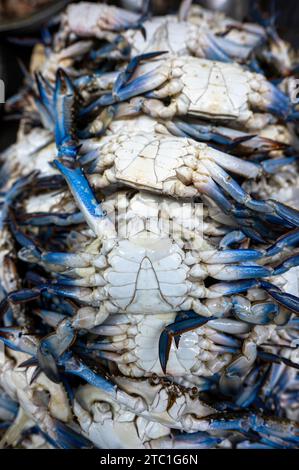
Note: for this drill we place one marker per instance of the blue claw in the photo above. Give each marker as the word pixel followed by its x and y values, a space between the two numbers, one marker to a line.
pixel 286 265
pixel 53 346
pixel 258 314
pixel 13 193
pixel 289 301
pixel 279 103
pixel 64 108
pixel 83 194
pixel 63 259
pixel 27 295
pixel 75 366
pixel 289 240
pixel 236 287
pixel 19 340
pixel 270 210
pixel 46 92
pixel 190 321
pixel 243 423
pixel 23 295
pixel 208 133
pixel 273 165
pixel 285 212
pixel 269 357
pixel 229 185
pixel 119 44
pixel 215 48
pixel 125 76
pixel 50 317
pixel 122 90
pixel 251 387
pixel 286 300
pixel 25 241
pixel 236 236
pixel 212 190
pixel 105 118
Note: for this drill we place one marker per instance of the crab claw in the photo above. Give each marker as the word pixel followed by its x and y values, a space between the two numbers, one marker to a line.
pixel 53 346
pixel 124 77
pixel 285 212
pixel 86 200
pixel 288 240
pixel 45 103
pixel 286 300
pixel 233 141
pixel 122 90
pixel 251 386
pixel 18 339
pixel 64 109
pixel 13 193
pixel 274 358
pixel 76 366
pixel 47 363
pixel 24 240
pixel 119 45
pixel 20 296
pixel 187 321
pixel 259 314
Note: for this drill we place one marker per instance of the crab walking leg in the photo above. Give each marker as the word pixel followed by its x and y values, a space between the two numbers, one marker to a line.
pixel 289 301
pixel 198 440
pixel 233 139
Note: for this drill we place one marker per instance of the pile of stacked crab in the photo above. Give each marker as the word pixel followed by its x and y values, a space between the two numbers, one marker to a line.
pixel 149 232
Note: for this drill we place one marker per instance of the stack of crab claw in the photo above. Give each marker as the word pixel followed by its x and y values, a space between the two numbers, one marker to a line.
pixel 149 230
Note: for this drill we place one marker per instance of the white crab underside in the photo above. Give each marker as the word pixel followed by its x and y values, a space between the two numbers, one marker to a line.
pixel 147 276
pixel 215 89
